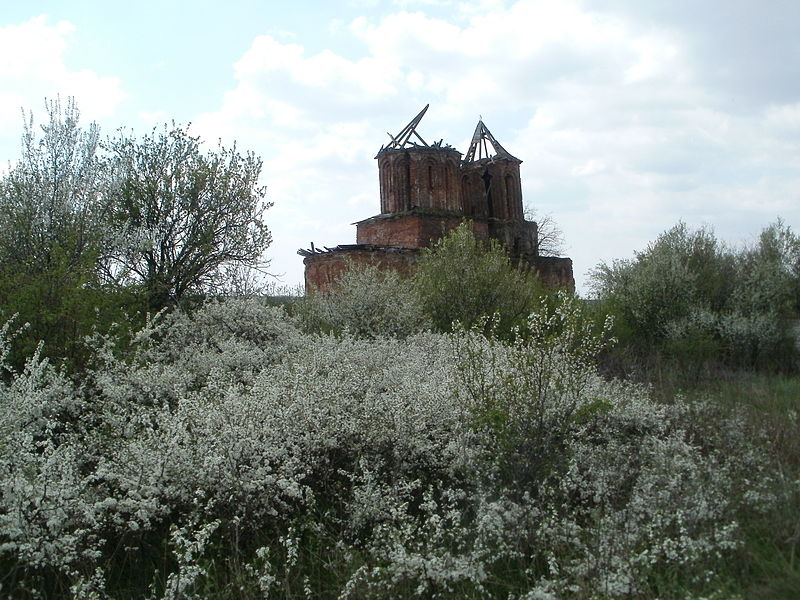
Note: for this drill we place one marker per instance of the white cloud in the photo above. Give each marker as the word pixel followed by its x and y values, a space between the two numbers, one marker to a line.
pixel 273 67
pixel 153 118
pixel 33 46
pixel 621 130
pixel 784 118
pixel 34 69
pixel 591 167
pixel 653 59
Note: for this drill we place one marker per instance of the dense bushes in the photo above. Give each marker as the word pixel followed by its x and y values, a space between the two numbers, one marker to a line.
pixel 366 302
pixel 92 232
pixel 461 280
pixel 689 298
pixel 458 281
pixel 228 454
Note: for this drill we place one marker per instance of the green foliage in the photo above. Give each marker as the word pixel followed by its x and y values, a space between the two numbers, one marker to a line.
pixel 770 273
pixel 690 299
pixel 226 454
pixel 461 280
pixel 53 233
pixel 91 241
pixel 536 389
pixel 766 407
pixel 182 217
pixel 367 302
pixel 51 212
pixel 680 271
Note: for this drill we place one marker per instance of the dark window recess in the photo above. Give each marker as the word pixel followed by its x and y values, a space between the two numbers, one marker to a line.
pixel 487 187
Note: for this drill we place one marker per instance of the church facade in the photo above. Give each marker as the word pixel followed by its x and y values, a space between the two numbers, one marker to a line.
pixel 428 190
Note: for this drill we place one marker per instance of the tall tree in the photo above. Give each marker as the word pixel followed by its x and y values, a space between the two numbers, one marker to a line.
pixel 52 231
pixel 50 210
pixel 183 217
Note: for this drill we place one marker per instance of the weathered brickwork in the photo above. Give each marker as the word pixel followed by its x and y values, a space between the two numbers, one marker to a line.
pixel 425 192
pixel 323 270
pixel 415 229
pixel 555 272
pixel 491 188
pixel 426 178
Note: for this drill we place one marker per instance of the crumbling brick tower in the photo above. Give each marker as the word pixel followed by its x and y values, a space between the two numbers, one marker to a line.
pixel 491 189
pixel 427 190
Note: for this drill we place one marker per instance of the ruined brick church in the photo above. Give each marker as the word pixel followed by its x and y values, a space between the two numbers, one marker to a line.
pixel 428 190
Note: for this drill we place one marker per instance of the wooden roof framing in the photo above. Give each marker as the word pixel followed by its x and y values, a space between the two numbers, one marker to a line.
pixel 403 139
pixel 479 147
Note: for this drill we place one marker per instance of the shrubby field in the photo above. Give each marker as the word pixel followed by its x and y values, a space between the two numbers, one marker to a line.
pixel 165 432
pixel 228 452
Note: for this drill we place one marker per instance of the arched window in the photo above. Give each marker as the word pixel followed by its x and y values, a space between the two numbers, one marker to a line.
pixel 385 182
pixel 466 197
pixel 510 198
pixel 487 193
pixel 405 188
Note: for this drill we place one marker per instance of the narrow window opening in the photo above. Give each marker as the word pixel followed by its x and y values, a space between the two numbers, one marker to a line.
pixel 406 191
pixel 487 190
pixel 510 197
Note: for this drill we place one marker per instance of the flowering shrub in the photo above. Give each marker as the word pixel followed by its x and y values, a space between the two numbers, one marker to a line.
pixel 691 298
pixel 227 454
pixel 366 302
pixel 460 279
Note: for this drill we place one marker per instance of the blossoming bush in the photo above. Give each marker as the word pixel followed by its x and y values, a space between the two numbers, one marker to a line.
pixel 461 279
pixel 691 299
pixel 228 454
pixel 366 302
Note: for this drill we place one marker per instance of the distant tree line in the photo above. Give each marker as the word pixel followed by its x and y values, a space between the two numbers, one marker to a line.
pixel 687 303
pixel 690 300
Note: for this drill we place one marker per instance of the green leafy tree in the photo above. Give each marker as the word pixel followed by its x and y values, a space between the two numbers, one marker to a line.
pixel 183 218
pixel 694 300
pixel 52 231
pixel 681 271
pixel 51 206
pixel 461 280
pixel 770 273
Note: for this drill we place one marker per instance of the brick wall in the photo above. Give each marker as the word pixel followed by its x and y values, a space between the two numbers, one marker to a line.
pixel 424 177
pixel 324 270
pixel 412 230
pixel 554 272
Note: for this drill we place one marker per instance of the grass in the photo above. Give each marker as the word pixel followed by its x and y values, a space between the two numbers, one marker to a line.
pixel 770 406
pixel 772 403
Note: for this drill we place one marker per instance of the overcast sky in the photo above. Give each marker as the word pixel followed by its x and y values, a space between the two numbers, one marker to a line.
pixel 629 115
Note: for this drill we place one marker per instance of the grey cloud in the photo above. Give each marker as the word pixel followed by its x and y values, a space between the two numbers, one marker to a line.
pixel 749 52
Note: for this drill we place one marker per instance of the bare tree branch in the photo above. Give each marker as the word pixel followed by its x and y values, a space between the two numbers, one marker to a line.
pixel 550 238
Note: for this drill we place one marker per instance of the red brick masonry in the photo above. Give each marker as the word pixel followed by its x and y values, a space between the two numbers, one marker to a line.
pixel 323 269
pixel 427 191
